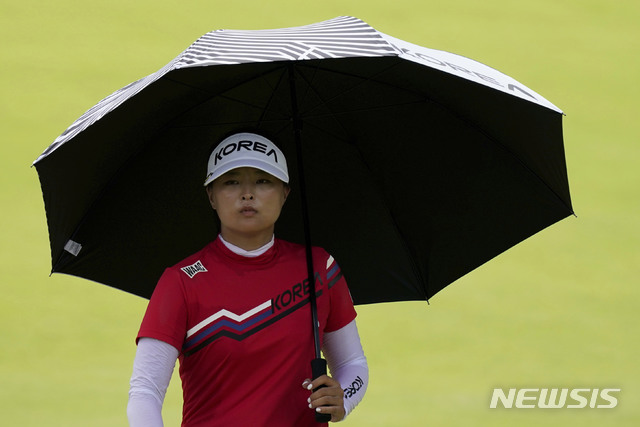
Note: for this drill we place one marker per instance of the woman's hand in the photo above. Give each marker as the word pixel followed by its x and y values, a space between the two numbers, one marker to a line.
pixel 328 399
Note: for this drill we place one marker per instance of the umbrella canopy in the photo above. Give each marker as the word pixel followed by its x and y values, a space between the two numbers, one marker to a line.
pixel 419 165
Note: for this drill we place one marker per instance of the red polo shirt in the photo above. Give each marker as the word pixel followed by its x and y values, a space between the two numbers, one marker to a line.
pixel 243 329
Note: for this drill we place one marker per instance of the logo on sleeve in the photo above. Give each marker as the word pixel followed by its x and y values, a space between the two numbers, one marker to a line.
pixel 193 269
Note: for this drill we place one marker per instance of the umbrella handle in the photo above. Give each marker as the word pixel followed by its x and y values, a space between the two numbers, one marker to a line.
pixel 319 368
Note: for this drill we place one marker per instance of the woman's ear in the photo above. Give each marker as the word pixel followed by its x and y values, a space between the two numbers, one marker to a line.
pixel 210 196
pixel 286 190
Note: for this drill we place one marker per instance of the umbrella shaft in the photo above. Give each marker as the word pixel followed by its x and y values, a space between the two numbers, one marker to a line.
pixel 297 135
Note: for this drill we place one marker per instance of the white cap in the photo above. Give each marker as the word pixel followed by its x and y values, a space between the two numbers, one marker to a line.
pixel 247 150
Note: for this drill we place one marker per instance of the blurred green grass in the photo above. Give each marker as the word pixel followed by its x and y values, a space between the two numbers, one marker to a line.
pixel 559 310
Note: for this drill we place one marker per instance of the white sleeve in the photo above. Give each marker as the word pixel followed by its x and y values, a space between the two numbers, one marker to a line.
pixel 152 370
pixel 348 365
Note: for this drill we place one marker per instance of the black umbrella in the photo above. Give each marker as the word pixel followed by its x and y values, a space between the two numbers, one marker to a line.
pixel 419 165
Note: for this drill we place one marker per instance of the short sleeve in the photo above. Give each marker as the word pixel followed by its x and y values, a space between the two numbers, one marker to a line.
pixel 342 311
pixel 166 315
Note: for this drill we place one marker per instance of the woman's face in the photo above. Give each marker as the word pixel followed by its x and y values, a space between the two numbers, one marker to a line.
pixel 248 202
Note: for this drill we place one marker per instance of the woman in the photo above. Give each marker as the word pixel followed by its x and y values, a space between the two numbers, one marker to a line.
pixel 236 313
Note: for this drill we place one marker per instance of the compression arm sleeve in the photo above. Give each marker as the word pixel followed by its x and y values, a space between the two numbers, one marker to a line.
pixel 152 370
pixel 347 363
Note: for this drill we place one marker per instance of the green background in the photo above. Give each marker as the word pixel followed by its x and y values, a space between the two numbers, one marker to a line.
pixel 559 310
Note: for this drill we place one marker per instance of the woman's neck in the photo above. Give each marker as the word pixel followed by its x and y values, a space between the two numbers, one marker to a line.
pixel 247 241
pixel 251 253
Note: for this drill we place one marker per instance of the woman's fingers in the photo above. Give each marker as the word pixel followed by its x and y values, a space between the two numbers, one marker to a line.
pixel 328 397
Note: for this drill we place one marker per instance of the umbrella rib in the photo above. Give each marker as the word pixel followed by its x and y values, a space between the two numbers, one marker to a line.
pixel 310 86
pixel 423 98
pixel 401 237
pixel 273 93
pixel 365 109
pixel 109 183
pixel 222 95
pixel 363 80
